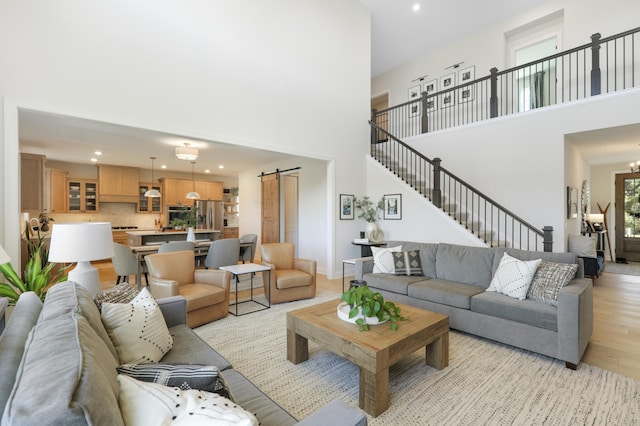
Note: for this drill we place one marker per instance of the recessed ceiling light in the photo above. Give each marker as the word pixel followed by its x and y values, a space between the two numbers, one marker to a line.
pixel 207 171
pixel 416 7
pixel 98 153
pixel 221 166
pixel 95 160
pixel 164 166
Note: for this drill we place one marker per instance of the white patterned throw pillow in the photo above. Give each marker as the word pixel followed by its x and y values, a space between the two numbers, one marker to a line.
pixel 145 403
pixel 137 329
pixel 513 276
pixel 383 262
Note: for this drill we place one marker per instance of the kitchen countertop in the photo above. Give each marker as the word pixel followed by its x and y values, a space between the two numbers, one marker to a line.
pixel 142 233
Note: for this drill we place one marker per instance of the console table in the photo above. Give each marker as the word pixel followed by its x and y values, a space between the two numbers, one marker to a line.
pixel 365 248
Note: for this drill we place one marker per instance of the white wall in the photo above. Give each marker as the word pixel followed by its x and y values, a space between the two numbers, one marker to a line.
pixel 288 75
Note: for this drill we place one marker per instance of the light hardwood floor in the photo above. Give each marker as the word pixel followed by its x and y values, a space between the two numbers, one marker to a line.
pixel 615 343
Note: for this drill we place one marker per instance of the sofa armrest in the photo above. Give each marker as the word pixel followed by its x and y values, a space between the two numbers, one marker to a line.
pixel 364 265
pixel 174 310
pixel 335 413
pixel 575 319
pixel 161 288
pixel 4 302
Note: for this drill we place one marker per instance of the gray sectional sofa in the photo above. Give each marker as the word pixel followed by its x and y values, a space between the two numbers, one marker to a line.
pixel 454 283
pixel 58 366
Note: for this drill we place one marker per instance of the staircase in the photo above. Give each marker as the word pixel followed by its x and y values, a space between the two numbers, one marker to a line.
pixel 490 222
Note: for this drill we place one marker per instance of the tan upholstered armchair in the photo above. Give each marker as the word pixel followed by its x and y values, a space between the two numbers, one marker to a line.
pixel 291 279
pixel 206 290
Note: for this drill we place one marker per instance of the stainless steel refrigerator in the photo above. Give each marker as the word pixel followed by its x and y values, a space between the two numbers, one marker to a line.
pixel 210 214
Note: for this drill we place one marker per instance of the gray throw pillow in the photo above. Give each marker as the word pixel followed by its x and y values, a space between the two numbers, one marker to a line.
pixel 407 262
pixel 582 245
pixel 549 279
pixel 185 377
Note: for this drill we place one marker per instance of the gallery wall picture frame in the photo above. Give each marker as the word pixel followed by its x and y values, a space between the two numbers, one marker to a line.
pixel 466 75
pixel 392 207
pixel 414 92
pixel 430 86
pixel 572 202
pixel 448 82
pixel 346 207
pixel 415 109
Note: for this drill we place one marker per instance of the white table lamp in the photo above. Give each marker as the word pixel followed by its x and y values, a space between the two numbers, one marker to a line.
pixel 82 242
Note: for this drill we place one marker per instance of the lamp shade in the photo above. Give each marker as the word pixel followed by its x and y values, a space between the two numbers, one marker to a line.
pixel 4 257
pixel 81 242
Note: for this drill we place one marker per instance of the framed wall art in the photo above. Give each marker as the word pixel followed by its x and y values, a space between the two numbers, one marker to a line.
pixel 448 81
pixel 430 86
pixel 346 207
pixel 414 92
pixel 572 202
pixel 392 207
pixel 466 75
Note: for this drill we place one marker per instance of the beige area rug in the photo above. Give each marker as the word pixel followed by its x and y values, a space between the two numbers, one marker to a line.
pixel 631 268
pixel 486 383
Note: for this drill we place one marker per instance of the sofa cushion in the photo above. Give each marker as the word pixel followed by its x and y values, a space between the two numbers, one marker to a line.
pixel 189 348
pixel 463 264
pixel 184 376
pixel 23 318
pixel 137 329
pixel 513 276
pixel 444 292
pixel 70 297
pixel 67 376
pixel 389 282
pixel 407 262
pixel 523 311
pixel 549 279
pixel 145 403
pixel 427 254
pixel 383 259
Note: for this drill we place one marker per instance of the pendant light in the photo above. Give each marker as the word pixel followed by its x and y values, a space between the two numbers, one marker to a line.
pixel 193 195
pixel 152 193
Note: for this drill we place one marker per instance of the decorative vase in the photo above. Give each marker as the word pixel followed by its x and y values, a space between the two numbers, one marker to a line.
pixel 374 233
pixel 191 236
pixel 343 314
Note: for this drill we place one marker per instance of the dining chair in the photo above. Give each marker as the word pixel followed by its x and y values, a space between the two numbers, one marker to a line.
pixel 176 246
pixel 206 291
pixel 125 263
pixel 223 252
pixel 248 253
pixel 291 278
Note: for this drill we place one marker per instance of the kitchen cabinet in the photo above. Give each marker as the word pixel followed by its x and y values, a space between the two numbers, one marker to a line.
pixel 82 195
pixel 175 191
pixel 120 237
pixel 58 192
pixel 118 184
pixel 149 204
pixel 32 183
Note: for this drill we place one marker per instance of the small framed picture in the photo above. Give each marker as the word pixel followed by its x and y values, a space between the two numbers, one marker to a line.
pixel 414 92
pixel 467 75
pixel 431 105
pixel 346 207
pixel 448 99
pixel 430 86
pixel 414 109
pixel 392 207
pixel 448 82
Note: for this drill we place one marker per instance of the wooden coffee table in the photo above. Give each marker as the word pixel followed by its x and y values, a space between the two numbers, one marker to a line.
pixel 374 351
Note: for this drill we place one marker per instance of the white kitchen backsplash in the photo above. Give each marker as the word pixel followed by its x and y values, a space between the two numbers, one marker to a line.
pixel 119 214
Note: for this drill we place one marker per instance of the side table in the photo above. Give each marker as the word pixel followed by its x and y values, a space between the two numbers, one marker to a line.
pixel 248 268
pixel 365 248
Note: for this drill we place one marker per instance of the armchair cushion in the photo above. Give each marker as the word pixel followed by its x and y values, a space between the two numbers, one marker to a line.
pixel 290 278
pixel 201 295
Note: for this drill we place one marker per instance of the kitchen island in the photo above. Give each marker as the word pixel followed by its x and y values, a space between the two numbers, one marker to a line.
pixel 153 237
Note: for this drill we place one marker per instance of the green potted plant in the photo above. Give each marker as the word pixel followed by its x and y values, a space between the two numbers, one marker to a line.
pixel 370 212
pixel 39 273
pixel 368 304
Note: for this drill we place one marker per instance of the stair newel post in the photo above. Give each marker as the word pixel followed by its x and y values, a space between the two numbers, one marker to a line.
pixel 374 130
pixel 493 100
pixel 548 238
pixel 437 192
pixel 425 118
pixel 595 64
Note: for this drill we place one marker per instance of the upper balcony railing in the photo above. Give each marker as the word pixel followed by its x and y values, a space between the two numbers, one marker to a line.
pixel 602 66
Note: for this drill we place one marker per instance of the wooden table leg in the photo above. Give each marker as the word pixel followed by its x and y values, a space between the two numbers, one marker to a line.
pixel 438 352
pixel 297 347
pixel 374 391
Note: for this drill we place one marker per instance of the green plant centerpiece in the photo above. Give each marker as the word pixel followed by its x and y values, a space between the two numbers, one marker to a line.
pixel 369 211
pixel 371 304
pixel 187 219
pixel 39 273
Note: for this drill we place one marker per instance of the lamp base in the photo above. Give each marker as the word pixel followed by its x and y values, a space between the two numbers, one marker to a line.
pixel 87 276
